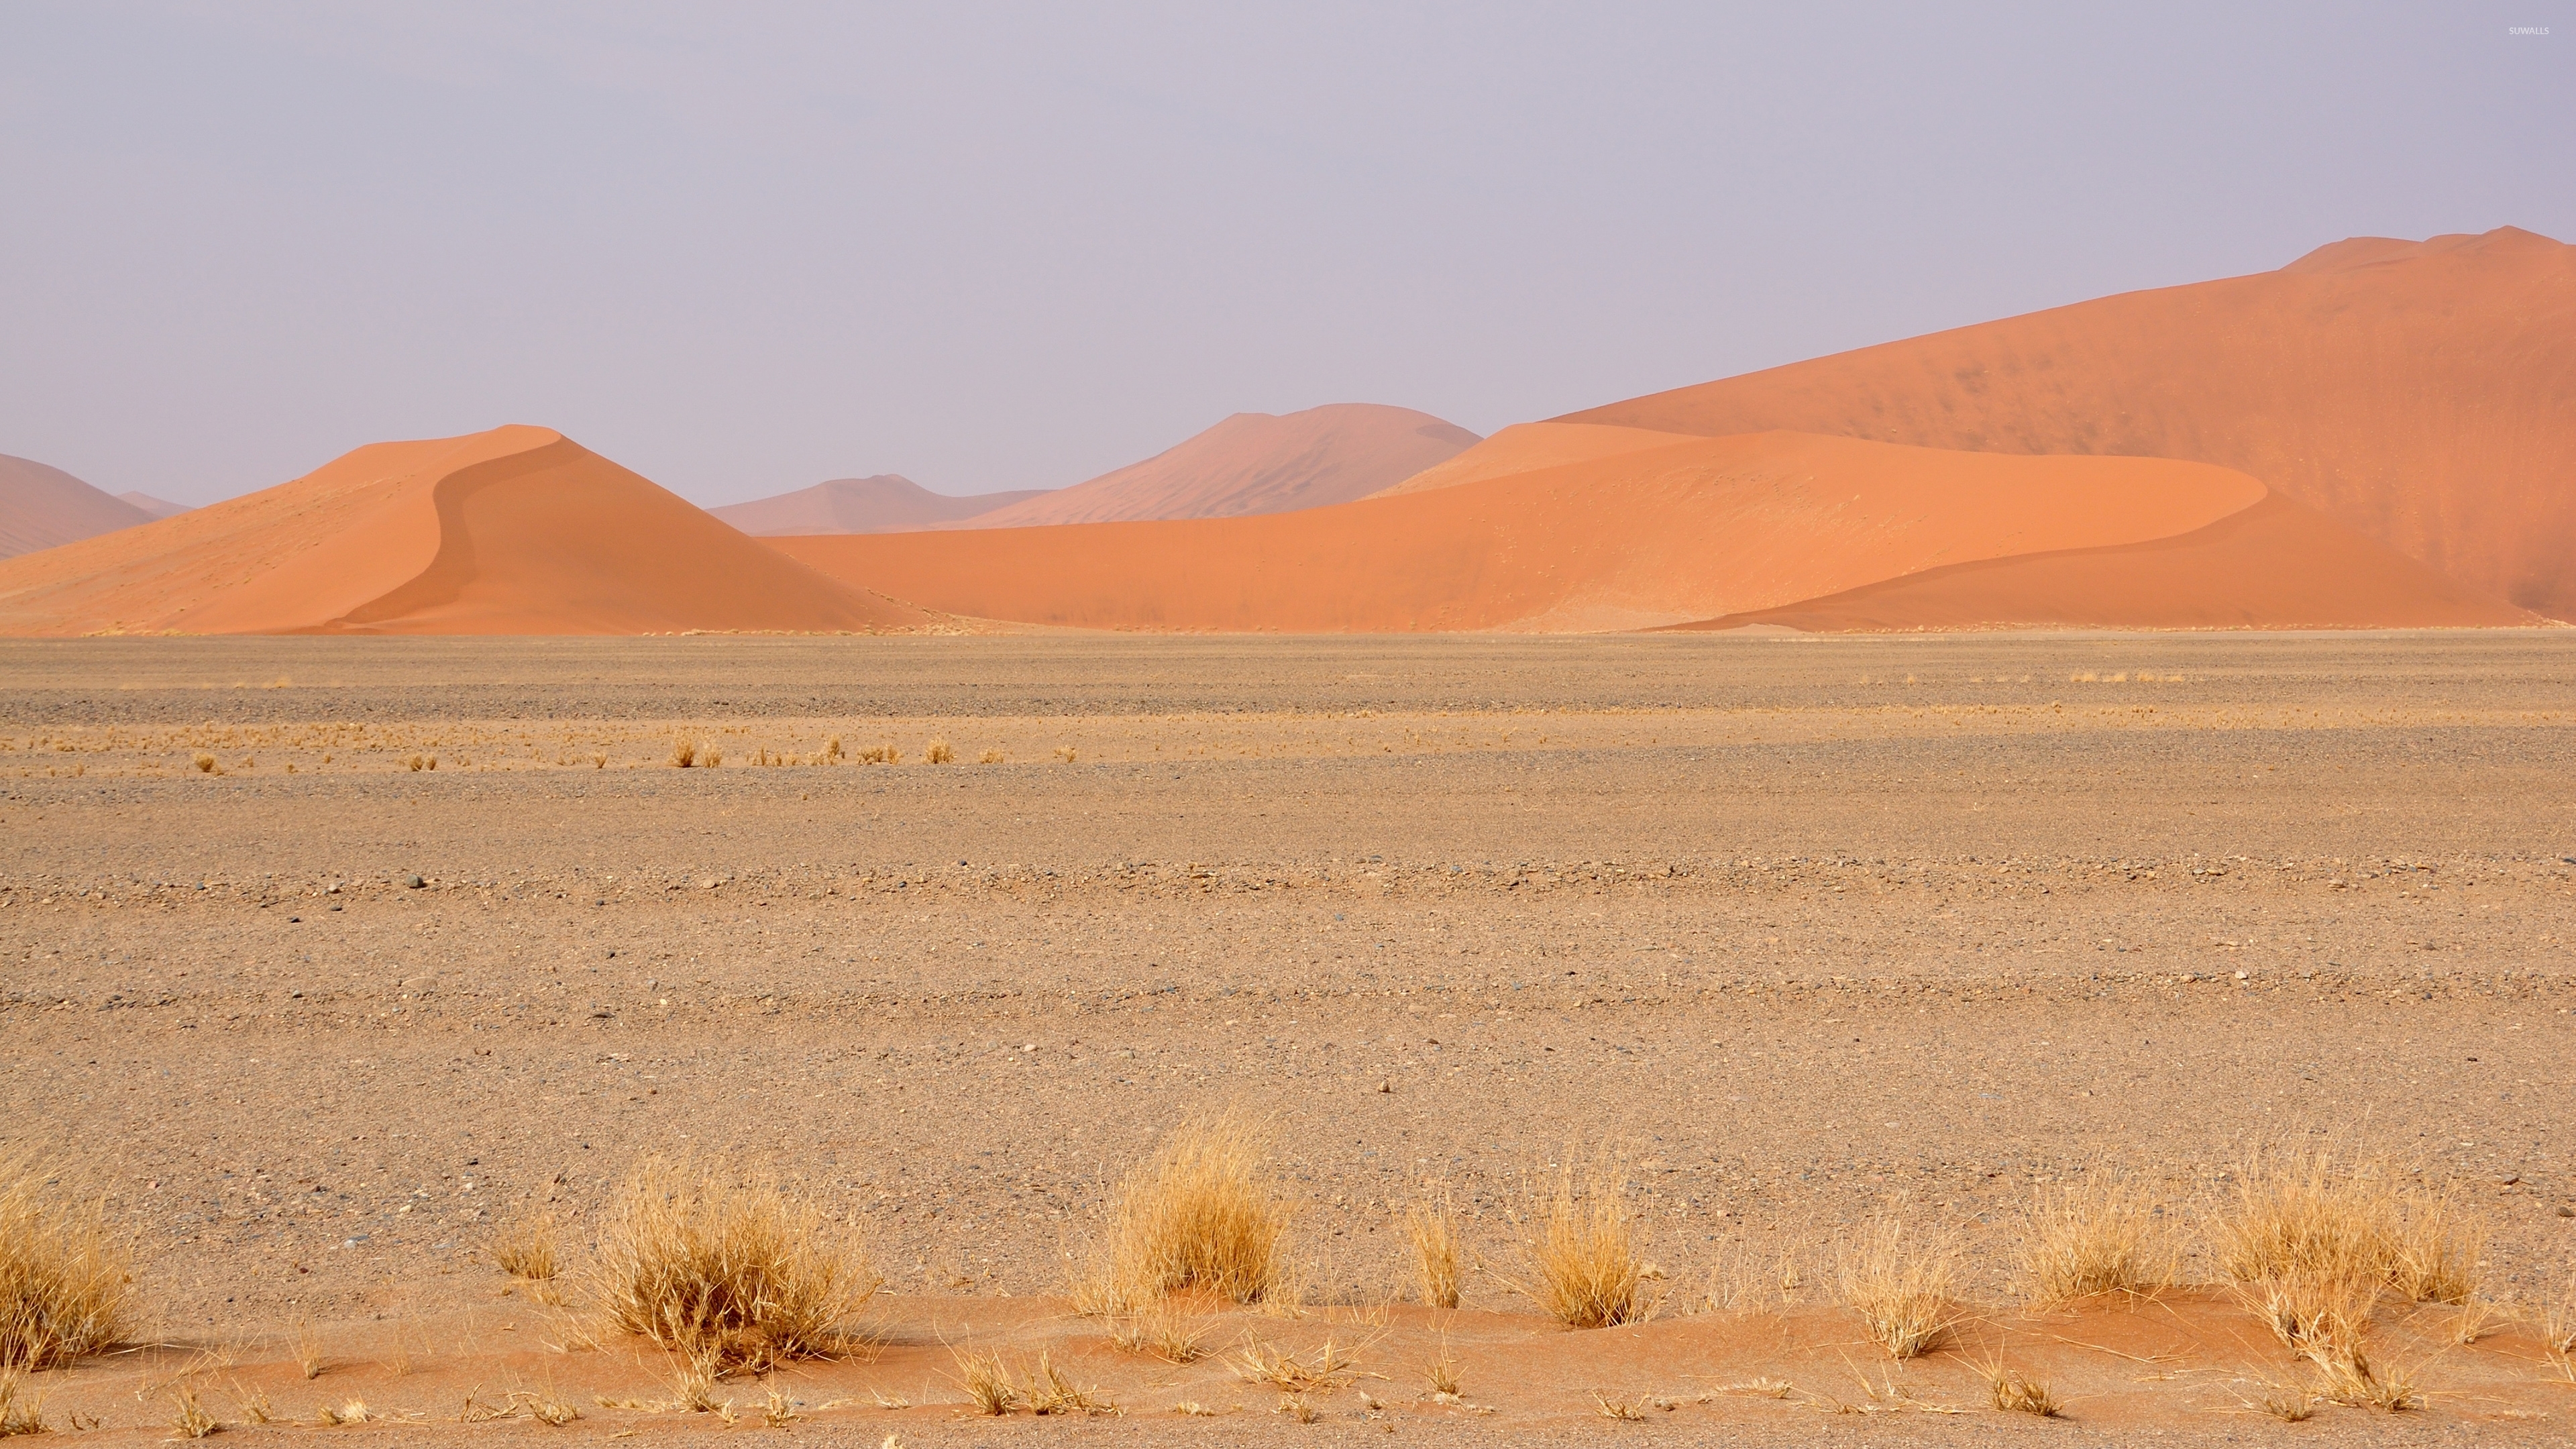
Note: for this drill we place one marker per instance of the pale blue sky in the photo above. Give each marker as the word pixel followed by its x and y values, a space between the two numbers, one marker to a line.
pixel 743 248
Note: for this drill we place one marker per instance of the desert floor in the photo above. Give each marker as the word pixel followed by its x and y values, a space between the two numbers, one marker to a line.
pixel 1818 929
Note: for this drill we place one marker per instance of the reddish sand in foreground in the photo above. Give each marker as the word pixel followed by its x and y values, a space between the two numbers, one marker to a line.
pixel 2276 565
pixel 1255 463
pixel 44 507
pixel 2416 391
pixel 514 531
pixel 1691 530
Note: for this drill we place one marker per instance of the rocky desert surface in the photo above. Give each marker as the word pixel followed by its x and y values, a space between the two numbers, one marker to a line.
pixel 1816 930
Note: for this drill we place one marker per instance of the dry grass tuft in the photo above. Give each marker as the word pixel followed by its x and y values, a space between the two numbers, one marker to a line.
pixel 2433 1253
pixel 2095 1238
pixel 1198 1214
pixel 1327 1368
pixel 1431 1225
pixel 1064 753
pixel 526 1248
pixel 940 752
pixel 65 1286
pixel 355 1411
pixel 1900 1289
pixel 991 757
pixel 684 754
pixel 2289 1403
pixel 1582 1266
pixel 1442 1374
pixel 205 763
pixel 987 1382
pixel 832 749
pixel 2015 1393
pixel 1051 1392
pixel 1621 1409
pixel 307 1344
pixel 21 1412
pixel 1162 1329
pixel 740 1272
pixel 188 1416
pixel 885 754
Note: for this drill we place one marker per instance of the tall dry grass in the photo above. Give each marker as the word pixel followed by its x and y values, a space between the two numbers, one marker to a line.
pixel 1900 1286
pixel 525 1248
pixel 737 1271
pixel 66 1284
pixel 1580 1260
pixel 2094 1238
pixel 1431 1228
pixel 1201 1214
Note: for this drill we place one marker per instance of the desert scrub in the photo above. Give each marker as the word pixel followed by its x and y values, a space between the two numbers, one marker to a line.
pixel 2101 1236
pixel 66 1284
pixel 740 1272
pixel 1198 1214
pixel 1579 1261
pixel 1900 1287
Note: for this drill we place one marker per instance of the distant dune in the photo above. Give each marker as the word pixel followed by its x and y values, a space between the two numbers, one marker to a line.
pixel 513 531
pixel 881 504
pixel 2423 393
pixel 43 506
pixel 1255 463
pixel 1693 530
pixel 157 507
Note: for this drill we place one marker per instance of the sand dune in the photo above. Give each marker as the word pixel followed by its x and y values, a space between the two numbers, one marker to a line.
pixel 157 507
pixel 882 504
pixel 2276 565
pixel 1695 529
pixel 2415 391
pixel 1255 463
pixel 513 531
pixel 1528 447
pixel 41 507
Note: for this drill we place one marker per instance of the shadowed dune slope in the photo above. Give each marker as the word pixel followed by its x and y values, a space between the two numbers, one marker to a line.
pixel 1528 447
pixel 514 531
pixel 2276 565
pixel 1690 530
pixel 1255 463
pixel 2423 393
pixel 42 507
pixel 156 507
pixel 880 504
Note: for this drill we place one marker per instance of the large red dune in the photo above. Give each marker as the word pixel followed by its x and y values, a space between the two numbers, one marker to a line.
pixel 514 531
pixel 1528 447
pixel 882 504
pixel 42 507
pixel 2423 393
pixel 1255 463
pixel 1695 529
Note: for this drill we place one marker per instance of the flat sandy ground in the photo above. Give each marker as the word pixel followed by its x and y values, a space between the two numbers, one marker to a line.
pixel 1816 929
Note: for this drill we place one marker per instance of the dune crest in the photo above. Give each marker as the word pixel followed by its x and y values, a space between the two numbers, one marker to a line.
pixel 517 530
pixel 2414 391
pixel 1255 463
pixel 1666 535
pixel 879 504
pixel 1528 447
pixel 44 507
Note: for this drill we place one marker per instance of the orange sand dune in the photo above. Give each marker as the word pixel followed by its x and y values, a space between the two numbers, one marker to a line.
pixel 1255 463
pixel 41 507
pixel 514 531
pixel 1692 530
pixel 2423 393
pixel 2276 565
pixel 880 504
pixel 155 507
pixel 1528 447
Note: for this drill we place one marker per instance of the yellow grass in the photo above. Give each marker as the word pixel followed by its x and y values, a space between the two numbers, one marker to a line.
pixel 2095 1238
pixel 1199 1214
pixel 991 757
pixel 1431 1226
pixel 307 1343
pixel 526 1248
pixel 1579 1261
pixel 1899 1287
pixel 739 1270
pixel 832 749
pixel 1442 1373
pixel 684 754
pixel 1065 753
pixel 1050 1391
pixel 2015 1393
pixel 2433 1254
pixel 65 1284
pixel 21 1412
pixel 940 752
pixel 987 1382
pixel 188 1416
pixel 1162 1329
pixel 1327 1368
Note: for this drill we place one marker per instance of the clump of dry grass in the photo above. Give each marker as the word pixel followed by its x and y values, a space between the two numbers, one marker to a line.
pixel 1582 1265
pixel 307 1344
pixel 940 752
pixel 1442 1373
pixel 885 754
pixel 21 1412
pixel 525 1248
pixel 1050 1391
pixel 1327 1368
pixel 2289 1403
pixel 2095 1238
pixel 1064 753
pixel 832 749
pixel 1900 1287
pixel 188 1416
pixel 1162 1329
pixel 742 1272
pixel 987 1382
pixel 684 754
pixel 1621 1409
pixel 1198 1214
pixel 1431 1226
pixel 2433 1252
pixel 204 762
pixel 991 757
pixel 65 1285
pixel 2016 1393
pixel 355 1411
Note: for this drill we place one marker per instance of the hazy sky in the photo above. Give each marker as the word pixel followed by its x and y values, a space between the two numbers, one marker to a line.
pixel 742 248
